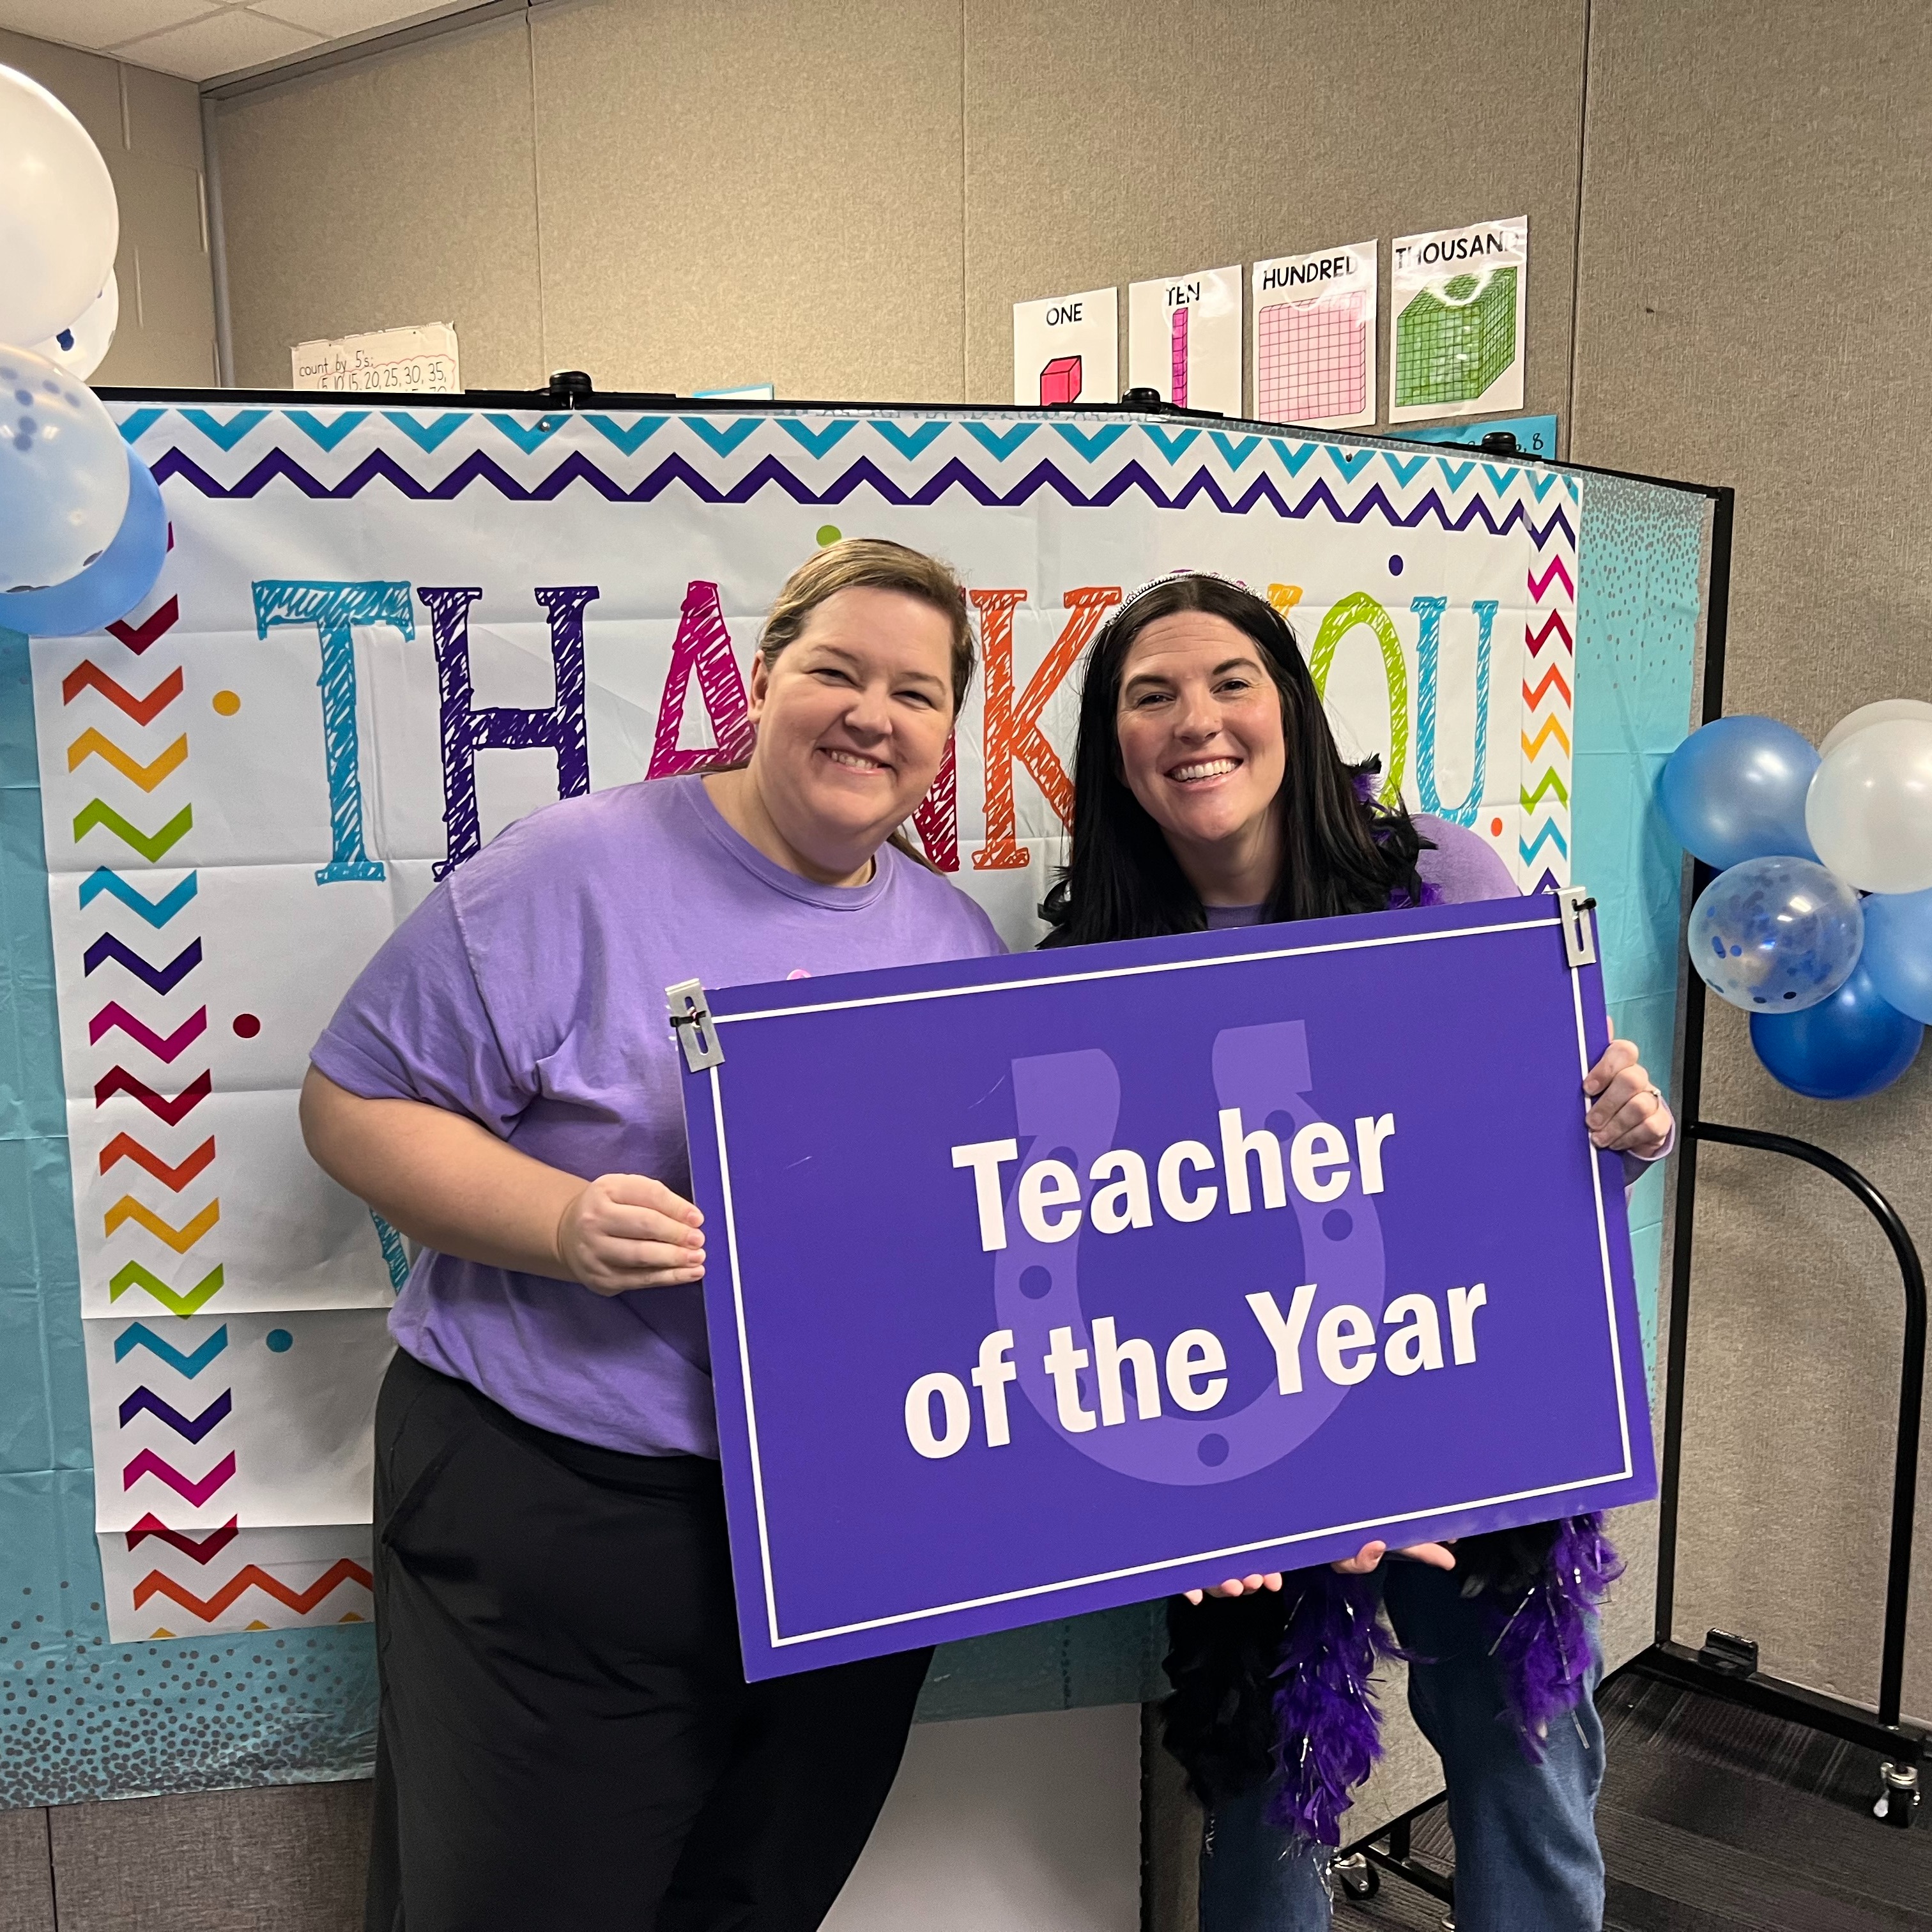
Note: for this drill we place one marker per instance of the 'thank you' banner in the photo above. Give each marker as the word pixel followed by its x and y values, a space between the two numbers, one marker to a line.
pixel 382 634
pixel 1178 1258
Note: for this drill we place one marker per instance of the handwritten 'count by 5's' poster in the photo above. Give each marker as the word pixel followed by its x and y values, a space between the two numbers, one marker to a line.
pixel 1458 299
pixel 382 635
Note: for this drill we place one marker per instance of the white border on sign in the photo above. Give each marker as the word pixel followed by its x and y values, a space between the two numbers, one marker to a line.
pixel 779 1643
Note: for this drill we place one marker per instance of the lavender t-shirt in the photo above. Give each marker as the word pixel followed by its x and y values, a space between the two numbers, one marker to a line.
pixel 1462 868
pixel 527 992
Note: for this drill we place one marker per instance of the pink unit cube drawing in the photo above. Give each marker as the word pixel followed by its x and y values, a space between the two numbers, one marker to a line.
pixel 1312 360
pixel 1059 382
pixel 1177 395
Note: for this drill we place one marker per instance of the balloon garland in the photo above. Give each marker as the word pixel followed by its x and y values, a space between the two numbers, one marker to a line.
pixel 82 533
pixel 1819 924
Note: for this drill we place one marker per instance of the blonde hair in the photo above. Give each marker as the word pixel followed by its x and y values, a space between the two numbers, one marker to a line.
pixel 871 563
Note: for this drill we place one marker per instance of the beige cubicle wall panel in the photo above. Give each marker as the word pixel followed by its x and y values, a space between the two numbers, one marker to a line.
pixel 1112 140
pixel 147 127
pixel 401 189
pixel 753 193
pixel 1798 374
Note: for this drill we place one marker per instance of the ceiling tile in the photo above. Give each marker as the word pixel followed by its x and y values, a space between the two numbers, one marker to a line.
pixel 335 18
pixel 97 23
pixel 219 44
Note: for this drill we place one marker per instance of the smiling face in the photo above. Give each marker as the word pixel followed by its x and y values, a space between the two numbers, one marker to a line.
pixel 1201 747
pixel 852 720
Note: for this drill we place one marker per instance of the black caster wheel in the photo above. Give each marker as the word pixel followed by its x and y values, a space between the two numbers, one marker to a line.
pixel 1358 1879
pixel 1899 1799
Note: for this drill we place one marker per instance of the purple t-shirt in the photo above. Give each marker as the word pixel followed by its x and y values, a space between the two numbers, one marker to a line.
pixel 1462 868
pixel 528 992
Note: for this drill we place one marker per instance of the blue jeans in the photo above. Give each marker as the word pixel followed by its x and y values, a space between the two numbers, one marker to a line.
pixel 1526 1854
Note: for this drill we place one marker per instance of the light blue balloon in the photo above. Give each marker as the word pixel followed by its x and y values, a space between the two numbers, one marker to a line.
pixel 1776 935
pixel 1735 790
pixel 111 585
pixel 1844 1048
pixel 1898 950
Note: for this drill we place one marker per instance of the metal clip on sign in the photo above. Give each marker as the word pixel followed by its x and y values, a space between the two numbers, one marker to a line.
pixel 691 1021
pixel 1579 930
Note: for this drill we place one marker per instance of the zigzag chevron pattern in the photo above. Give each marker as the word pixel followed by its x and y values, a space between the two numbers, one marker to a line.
pixel 162 1046
pixel 88 675
pixel 908 438
pixel 137 637
pixel 172 1108
pixel 132 1274
pixel 180 1239
pixel 137 1346
pixel 1045 478
pixel 202 1549
pixel 156 912
pixel 1549 659
pixel 196 1489
pixel 192 1428
pixel 139 1335
pixel 253 1576
pixel 93 744
pixel 163 978
pixel 152 846
pixel 125 1147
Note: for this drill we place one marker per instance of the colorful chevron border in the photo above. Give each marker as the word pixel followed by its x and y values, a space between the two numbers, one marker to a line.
pixel 133 765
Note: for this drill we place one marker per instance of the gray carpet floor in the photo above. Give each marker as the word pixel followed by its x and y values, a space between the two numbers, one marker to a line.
pixel 1714 1818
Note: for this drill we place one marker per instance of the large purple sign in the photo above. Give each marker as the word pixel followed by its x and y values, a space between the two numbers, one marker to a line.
pixel 1043 1284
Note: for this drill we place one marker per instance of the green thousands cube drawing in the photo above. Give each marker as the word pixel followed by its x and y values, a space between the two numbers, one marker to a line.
pixel 1455 338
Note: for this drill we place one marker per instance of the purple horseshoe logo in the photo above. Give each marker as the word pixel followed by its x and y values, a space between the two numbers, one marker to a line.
pixel 1072 1100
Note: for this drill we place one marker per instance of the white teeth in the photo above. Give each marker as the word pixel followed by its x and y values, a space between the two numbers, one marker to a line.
pixel 852 760
pixel 1212 768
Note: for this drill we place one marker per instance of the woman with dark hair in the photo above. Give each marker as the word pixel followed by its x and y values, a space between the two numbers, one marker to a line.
pixel 1209 794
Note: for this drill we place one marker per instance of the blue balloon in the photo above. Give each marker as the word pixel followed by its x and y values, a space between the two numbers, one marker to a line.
pixel 1775 934
pixel 1898 950
pixel 113 583
pixel 1735 790
pixel 1842 1049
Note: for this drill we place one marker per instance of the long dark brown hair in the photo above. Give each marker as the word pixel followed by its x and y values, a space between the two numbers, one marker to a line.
pixel 1342 850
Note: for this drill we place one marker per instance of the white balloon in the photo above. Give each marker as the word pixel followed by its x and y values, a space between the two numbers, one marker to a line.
pixel 90 337
pixel 63 473
pixel 1869 810
pixel 1886 711
pixel 59 223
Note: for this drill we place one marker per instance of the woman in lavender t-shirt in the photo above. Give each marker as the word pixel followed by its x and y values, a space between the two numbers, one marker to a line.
pixel 1208 791
pixel 566 1736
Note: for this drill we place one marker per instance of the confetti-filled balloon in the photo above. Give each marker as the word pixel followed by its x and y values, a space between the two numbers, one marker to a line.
pixel 1776 935
pixel 112 584
pixel 59 223
pixel 63 474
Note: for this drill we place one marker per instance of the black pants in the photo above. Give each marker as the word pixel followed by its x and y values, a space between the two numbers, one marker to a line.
pixel 567 1739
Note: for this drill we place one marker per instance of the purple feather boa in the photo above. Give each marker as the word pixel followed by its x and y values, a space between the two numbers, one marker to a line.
pixel 1327 1726
pixel 1328 1729
pixel 1541 1636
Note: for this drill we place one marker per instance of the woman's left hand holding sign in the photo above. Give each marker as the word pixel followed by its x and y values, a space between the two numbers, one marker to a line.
pixel 1627 1114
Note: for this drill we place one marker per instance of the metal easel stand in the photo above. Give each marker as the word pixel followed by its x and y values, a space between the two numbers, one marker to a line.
pixel 1726 1666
